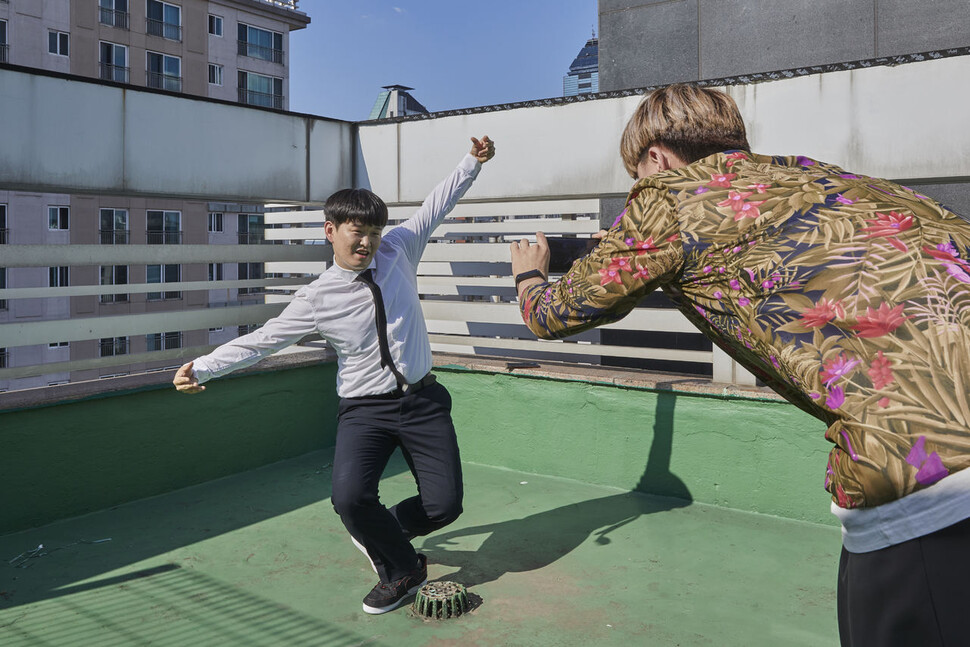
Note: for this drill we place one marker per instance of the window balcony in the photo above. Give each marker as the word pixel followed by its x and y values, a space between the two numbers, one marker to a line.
pixel 264 99
pixel 155 237
pixel 164 29
pixel 245 48
pixel 110 347
pixel 3 236
pixel 115 236
pixel 163 296
pixel 117 73
pixel 164 81
pixel 4 50
pixel 251 237
pixel 114 298
pixel 114 18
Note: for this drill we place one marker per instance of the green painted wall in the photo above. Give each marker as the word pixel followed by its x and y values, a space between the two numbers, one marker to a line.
pixel 68 459
pixel 756 455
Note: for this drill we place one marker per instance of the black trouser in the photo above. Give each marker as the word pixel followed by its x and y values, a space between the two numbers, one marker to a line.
pixel 912 594
pixel 368 431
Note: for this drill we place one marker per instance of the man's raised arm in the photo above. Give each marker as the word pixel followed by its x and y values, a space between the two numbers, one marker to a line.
pixel 631 260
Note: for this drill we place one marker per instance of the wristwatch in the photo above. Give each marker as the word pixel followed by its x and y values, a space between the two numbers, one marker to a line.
pixel 531 274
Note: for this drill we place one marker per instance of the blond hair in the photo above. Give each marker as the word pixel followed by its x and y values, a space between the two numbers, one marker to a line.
pixel 692 122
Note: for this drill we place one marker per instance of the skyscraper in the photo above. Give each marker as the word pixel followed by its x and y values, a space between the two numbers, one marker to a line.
pixel 396 101
pixel 583 77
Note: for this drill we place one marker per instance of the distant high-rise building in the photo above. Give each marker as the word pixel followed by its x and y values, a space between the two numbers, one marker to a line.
pixel 232 50
pixel 583 77
pixel 396 101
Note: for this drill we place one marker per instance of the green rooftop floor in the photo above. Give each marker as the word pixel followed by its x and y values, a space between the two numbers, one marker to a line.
pixel 260 559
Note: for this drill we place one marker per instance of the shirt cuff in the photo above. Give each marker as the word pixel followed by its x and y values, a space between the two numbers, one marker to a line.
pixel 470 165
pixel 201 372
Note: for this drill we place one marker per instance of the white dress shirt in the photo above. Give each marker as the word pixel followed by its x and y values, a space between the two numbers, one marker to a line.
pixel 341 309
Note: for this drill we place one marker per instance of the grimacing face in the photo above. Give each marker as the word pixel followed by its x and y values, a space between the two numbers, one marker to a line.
pixel 354 244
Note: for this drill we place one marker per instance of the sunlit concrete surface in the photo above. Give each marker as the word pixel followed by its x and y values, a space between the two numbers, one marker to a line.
pixel 260 559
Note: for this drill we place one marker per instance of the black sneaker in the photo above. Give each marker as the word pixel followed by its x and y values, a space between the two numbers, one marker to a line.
pixel 386 597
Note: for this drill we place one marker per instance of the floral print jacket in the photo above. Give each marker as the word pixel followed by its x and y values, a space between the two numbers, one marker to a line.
pixel 848 295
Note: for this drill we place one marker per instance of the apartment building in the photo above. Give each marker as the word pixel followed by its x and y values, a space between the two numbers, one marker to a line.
pixel 232 50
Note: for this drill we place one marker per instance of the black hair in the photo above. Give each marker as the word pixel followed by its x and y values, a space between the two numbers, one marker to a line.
pixel 356 205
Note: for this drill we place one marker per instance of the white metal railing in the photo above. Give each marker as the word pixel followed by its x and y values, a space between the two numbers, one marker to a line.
pixel 113 17
pixel 284 4
pixel 469 299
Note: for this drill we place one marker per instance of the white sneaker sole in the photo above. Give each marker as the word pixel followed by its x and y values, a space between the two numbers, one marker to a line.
pixel 361 548
pixel 376 611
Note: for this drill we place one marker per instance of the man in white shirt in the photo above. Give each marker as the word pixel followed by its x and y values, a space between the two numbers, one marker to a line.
pixel 366 306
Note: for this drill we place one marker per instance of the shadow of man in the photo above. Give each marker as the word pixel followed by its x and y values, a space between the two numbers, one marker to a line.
pixel 540 539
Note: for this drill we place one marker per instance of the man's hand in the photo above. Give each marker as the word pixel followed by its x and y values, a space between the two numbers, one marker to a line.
pixel 526 256
pixel 483 150
pixel 185 382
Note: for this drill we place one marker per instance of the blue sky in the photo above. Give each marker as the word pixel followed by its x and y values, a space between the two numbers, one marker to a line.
pixel 455 54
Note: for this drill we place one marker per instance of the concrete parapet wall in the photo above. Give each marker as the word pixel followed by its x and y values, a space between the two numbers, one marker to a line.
pixel 900 122
pixel 744 451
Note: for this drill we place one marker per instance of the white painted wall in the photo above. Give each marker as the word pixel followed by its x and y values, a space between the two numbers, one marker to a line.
pixel 908 121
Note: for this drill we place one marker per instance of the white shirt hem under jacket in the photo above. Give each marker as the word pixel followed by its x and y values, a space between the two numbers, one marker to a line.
pixel 918 514
pixel 341 309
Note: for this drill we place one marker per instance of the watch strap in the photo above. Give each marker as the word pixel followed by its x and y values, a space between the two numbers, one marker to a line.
pixel 530 274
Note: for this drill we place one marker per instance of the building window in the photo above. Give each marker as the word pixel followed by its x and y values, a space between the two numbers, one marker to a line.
pixel 59 43
pixel 164 227
pixel 215 222
pixel 58 218
pixel 113 12
pixel 59 344
pixel 259 90
pixel 215 74
pixel 3 224
pixel 219 329
pixel 3 358
pixel 250 271
pixel 114 62
pixel 215 25
pixel 163 341
pixel 59 277
pixel 164 20
pixel 215 271
pixel 260 43
pixel 114 227
pixel 164 274
pixel 251 228
pixel 246 329
pixel 3 41
pixel 164 72
pixel 114 275
pixel 3 286
pixel 111 346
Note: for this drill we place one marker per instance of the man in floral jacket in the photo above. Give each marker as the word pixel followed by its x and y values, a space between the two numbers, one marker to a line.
pixel 848 295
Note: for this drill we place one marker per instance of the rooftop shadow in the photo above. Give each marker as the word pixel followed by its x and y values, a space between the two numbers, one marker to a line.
pixel 540 539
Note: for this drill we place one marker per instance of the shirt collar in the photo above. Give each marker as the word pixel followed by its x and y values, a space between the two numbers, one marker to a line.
pixel 351 275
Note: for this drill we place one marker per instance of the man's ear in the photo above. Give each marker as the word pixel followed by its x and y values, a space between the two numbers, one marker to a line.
pixel 660 157
pixel 664 158
pixel 329 229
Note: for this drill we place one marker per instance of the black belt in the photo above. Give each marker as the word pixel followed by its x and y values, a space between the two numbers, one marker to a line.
pixel 402 391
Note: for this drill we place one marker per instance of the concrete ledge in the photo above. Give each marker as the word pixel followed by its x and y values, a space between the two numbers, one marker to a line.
pixel 615 376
